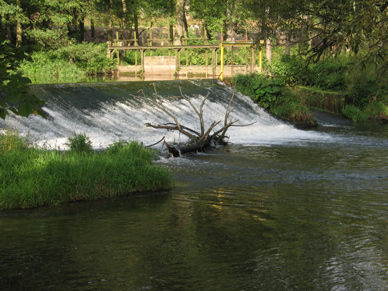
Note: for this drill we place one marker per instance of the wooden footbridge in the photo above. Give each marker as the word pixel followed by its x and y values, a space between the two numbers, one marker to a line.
pixel 216 63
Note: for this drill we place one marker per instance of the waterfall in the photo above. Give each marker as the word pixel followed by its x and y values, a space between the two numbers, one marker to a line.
pixel 108 112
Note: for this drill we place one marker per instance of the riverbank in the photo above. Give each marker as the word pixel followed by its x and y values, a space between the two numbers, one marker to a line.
pixel 33 177
pixel 293 103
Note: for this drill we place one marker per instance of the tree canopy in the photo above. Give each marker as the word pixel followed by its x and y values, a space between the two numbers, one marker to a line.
pixel 319 28
pixel 14 95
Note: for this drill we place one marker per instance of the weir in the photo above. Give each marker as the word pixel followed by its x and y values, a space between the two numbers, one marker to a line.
pixel 108 112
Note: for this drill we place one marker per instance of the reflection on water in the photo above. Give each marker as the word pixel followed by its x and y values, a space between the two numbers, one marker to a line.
pixel 280 217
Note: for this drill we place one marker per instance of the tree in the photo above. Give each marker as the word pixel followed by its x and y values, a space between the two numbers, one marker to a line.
pixel 14 93
pixel 180 18
pixel 355 26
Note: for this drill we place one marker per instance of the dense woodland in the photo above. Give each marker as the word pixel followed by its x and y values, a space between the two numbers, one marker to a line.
pixel 324 25
pixel 67 34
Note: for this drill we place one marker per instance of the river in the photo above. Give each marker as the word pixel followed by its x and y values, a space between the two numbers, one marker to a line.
pixel 278 209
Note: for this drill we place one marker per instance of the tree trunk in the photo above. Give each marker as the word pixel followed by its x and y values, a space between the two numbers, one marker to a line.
pixel 287 48
pixel 110 21
pixel 93 33
pixel 231 34
pixel 124 19
pixel 171 16
pixel 81 30
pixel 268 47
pixel 124 7
pixel 179 21
pixel 19 29
pixel 287 43
pixel 136 21
pixel 268 44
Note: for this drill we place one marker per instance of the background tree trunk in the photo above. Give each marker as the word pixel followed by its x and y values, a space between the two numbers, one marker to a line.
pixel 179 21
pixel 81 30
pixel 110 21
pixel 268 48
pixel 124 6
pixel 92 28
pixel 19 29
pixel 231 34
pixel 136 20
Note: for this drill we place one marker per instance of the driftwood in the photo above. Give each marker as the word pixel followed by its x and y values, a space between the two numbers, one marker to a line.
pixel 200 141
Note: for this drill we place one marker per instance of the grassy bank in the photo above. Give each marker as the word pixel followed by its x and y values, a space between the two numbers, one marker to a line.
pixel 32 177
pixel 363 84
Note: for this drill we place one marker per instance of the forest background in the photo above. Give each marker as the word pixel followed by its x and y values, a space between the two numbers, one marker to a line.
pixel 328 45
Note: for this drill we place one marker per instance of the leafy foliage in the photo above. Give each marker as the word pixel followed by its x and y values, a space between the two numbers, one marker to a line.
pixel 273 95
pixel 75 60
pixel 354 113
pixel 327 74
pixel 14 93
pixel 264 90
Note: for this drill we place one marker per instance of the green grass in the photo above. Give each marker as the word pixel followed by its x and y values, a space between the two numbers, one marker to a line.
pixel 32 177
pixel 354 113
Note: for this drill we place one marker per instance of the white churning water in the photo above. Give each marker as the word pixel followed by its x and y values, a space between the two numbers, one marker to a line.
pixel 108 112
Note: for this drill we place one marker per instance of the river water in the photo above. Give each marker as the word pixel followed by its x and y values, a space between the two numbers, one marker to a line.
pixel 278 209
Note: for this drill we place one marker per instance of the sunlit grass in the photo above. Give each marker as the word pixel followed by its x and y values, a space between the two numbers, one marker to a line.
pixel 32 177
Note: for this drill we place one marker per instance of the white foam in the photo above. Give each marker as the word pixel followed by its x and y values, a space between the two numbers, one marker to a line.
pixel 125 120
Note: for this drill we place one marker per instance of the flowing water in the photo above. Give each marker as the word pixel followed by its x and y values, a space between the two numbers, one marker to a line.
pixel 279 209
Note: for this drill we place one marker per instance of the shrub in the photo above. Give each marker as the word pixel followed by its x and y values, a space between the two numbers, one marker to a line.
pixel 363 86
pixel 11 141
pixel 328 74
pixel 293 69
pixel 80 143
pixel 274 96
pixel 263 89
pixel 376 110
pixel 354 113
pixel 73 62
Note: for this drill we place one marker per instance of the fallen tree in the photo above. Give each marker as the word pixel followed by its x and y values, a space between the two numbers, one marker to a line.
pixel 198 141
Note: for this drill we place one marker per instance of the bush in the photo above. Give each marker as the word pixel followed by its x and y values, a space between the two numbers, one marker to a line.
pixel 263 89
pixel 354 113
pixel 328 74
pixel 80 143
pixel 363 86
pixel 292 69
pixel 273 95
pixel 376 110
pixel 68 63
pixel 11 141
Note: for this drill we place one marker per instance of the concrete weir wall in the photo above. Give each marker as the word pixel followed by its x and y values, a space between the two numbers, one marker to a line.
pixel 328 101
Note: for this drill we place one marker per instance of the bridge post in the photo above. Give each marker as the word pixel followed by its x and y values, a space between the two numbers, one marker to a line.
pixel 214 60
pixel 177 61
pixel 232 64
pixel 142 60
pixel 261 56
pixel 222 62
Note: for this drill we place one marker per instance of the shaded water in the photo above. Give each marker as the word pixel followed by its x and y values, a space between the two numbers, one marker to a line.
pixel 306 211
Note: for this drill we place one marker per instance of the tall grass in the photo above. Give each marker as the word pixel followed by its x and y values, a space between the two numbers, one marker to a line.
pixel 32 177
